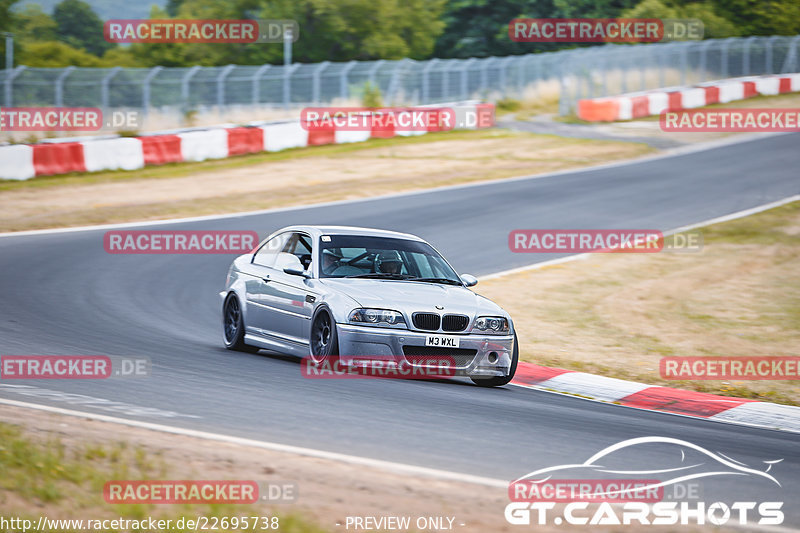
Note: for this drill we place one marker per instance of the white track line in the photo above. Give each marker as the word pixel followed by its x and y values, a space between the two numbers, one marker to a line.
pixel 273 446
pixel 671 153
pixel 717 220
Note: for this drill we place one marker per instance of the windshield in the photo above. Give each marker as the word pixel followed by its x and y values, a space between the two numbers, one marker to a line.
pixel 382 258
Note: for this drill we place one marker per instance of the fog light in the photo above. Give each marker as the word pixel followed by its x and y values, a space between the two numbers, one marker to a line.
pixel 492 357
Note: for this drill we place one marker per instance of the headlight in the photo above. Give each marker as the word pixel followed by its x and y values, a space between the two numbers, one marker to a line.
pixel 377 317
pixel 495 325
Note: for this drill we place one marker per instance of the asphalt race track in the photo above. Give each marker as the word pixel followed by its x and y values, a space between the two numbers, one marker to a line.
pixel 62 294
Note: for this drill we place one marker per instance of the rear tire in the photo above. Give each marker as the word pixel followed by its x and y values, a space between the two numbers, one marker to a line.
pixel 233 326
pixel 499 381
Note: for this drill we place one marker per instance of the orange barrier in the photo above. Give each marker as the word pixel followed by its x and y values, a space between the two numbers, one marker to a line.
pixel 598 110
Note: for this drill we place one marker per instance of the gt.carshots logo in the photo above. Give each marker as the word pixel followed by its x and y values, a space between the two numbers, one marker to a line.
pixel 179 242
pixel 650 493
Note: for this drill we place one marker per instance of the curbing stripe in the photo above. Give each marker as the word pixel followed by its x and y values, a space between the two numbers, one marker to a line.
pixel 680 402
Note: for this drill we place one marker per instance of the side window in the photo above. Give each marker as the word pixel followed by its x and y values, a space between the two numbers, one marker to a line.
pixel 299 245
pixel 265 256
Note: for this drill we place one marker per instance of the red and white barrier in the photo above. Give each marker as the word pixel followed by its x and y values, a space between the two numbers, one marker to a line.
pixel 21 161
pixel 649 103
pixel 17 162
pixel 124 153
pixel 283 136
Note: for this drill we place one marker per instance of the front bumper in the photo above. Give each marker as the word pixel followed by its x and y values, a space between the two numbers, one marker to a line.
pixel 472 357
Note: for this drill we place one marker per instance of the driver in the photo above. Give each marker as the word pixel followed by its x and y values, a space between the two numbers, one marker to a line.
pixel 330 261
pixel 389 262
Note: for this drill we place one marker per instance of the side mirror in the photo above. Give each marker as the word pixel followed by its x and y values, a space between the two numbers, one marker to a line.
pixel 294 271
pixel 290 264
pixel 469 280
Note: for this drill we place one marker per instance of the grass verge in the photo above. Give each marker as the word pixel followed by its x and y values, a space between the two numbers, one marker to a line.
pixel 297 177
pixel 619 314
pixel 62 482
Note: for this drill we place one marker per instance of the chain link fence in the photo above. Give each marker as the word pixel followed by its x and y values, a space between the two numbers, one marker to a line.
pixel 579 73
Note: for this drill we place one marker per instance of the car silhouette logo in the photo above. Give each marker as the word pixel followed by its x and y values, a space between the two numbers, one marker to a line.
pixel 439 307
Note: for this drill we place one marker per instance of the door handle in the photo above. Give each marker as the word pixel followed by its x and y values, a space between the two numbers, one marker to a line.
pixel 266 279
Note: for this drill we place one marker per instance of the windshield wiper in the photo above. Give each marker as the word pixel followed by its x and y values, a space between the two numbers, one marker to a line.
pixel 380 275
pixel 447 281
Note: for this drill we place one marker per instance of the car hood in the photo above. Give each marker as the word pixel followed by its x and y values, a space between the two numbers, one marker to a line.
pixel 412 296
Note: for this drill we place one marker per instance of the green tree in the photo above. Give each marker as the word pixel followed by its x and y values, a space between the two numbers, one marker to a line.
pixel 80 27
pixel 56 54
pixel 715 26
pixel 33 24
pixel 333 30
pixel 761 17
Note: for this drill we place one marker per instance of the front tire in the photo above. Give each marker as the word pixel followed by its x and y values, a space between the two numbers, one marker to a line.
pixel 324 340
pixel 233 326
pixel 499 381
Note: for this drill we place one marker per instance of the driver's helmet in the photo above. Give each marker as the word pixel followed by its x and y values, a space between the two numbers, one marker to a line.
pixel 329 258
pixel 389 262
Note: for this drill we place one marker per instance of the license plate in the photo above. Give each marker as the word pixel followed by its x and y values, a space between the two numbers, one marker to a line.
pixel 441 341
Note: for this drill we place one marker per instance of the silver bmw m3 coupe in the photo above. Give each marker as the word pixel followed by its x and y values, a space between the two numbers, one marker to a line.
pixel 326 292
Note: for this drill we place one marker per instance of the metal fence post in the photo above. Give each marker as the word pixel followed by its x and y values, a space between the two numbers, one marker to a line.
pixel 506 61
pixel 394 82
pixel 343 89
pixel 426 79
pixel 221 84
pixel 746 56
pixel 768 53
pixel 255 81
pixel 287 83
pixel 104 83
pixel 791 56
pixel 315 81
pixel 487 61
pixel 185 84
pixel 59 96
pixel 684 63
pixel 726 44
pixel 465 77
pixel 10 84
pixel 146 88
pixel 563 103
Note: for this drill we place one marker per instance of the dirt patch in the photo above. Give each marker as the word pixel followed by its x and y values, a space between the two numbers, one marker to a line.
pixel 295 181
